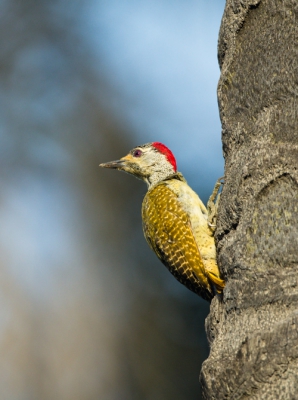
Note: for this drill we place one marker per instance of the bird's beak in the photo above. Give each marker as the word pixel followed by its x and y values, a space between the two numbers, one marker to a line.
pixel 113 164
pixel 118 164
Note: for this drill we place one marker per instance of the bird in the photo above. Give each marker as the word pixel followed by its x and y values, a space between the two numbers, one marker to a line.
pixel 176 223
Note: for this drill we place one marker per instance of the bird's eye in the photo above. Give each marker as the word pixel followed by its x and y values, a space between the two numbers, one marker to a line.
pixel 137 153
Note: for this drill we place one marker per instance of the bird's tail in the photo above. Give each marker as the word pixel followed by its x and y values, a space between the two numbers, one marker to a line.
pixel 217 282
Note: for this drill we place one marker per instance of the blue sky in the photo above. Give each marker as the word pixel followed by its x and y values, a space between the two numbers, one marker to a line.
pixel 161 57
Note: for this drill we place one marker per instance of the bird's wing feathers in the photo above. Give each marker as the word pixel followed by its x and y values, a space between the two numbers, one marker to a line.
pixel 168 232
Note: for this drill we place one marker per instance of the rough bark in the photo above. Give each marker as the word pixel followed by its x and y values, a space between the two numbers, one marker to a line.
pixel 253 331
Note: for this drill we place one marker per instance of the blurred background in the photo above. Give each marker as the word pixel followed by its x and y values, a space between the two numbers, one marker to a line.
pixel 87 311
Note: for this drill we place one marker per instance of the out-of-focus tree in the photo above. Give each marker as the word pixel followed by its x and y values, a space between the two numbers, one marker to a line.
pixel 86 310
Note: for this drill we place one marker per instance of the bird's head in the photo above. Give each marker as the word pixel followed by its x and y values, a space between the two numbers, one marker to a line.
pixel 151 162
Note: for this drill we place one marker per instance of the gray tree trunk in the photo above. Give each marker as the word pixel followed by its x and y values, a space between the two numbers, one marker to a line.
pixel 253 332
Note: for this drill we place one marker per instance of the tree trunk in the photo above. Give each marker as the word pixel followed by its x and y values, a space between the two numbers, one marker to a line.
pixel 253 331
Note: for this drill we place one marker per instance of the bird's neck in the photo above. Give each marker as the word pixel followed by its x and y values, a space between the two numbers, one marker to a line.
pixel 159 176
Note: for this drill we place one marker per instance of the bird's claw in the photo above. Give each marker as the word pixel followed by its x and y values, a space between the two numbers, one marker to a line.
pixel 212 204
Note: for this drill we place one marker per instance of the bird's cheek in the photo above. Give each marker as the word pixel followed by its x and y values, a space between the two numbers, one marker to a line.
pixel 131 168
pixel 137 171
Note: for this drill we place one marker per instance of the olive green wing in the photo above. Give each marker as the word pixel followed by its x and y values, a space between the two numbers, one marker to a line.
pixel 168 231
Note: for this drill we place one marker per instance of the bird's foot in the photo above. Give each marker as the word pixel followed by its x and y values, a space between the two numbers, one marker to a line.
pixel 212 204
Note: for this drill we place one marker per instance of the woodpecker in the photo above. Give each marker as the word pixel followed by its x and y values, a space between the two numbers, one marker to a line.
pixel 176 223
